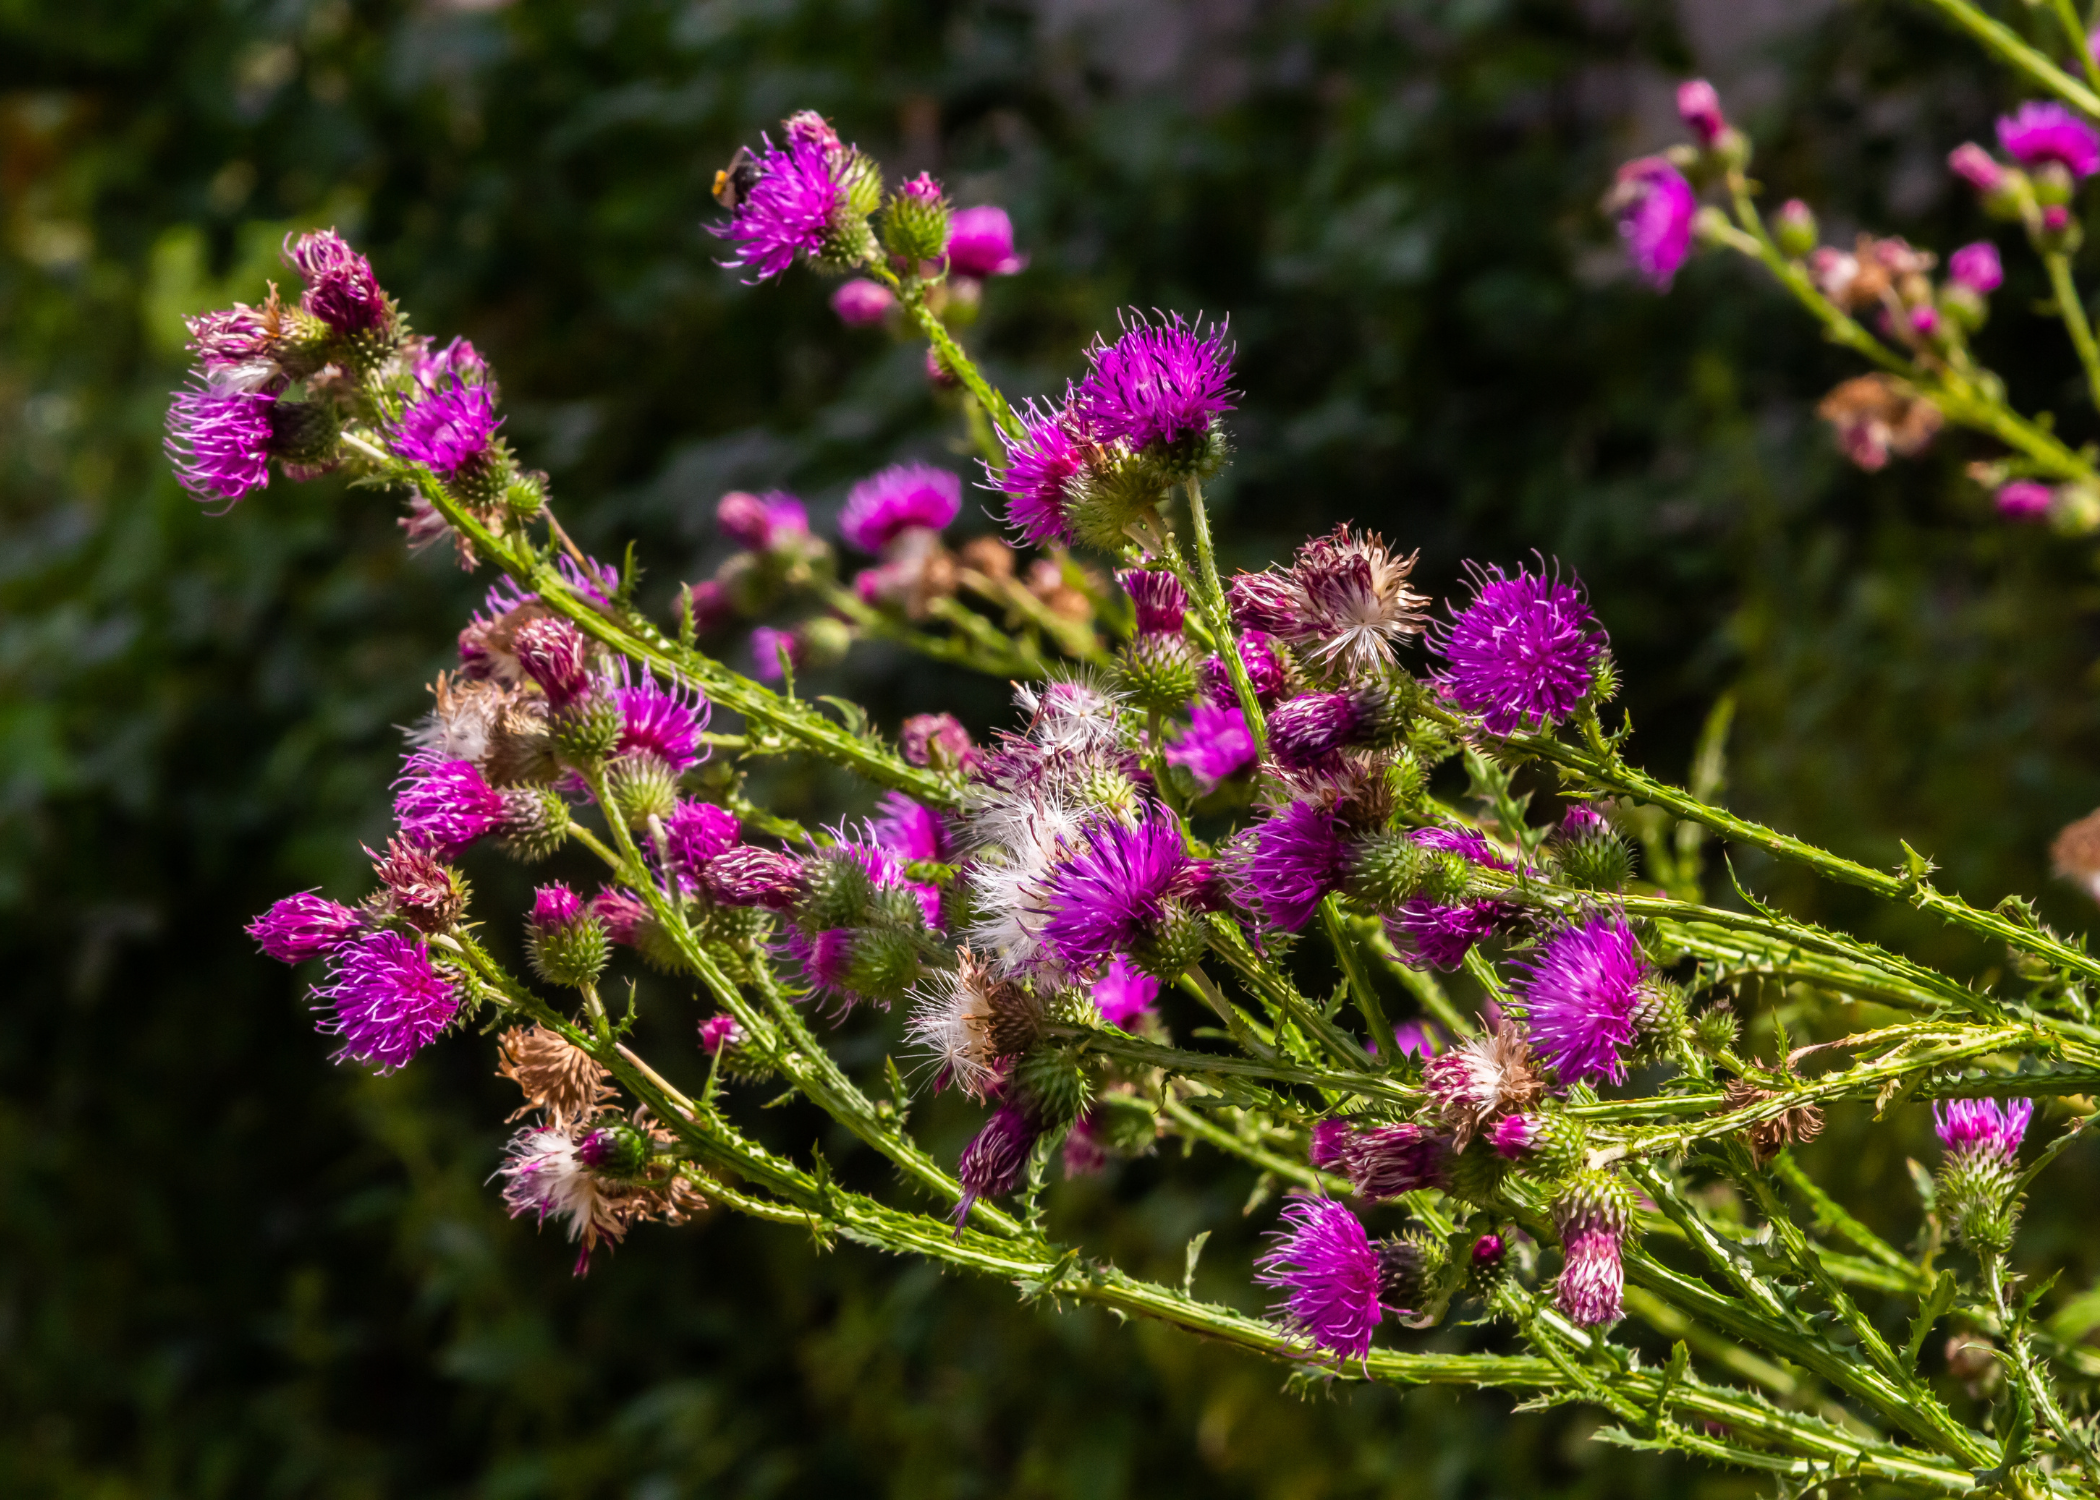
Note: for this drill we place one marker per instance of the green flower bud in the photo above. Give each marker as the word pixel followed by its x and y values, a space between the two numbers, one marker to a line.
pixel 915 225
pixel 1386 869
pixel 587 730
pixel 535 823
pixel 643 786
pixel 1053 1087
pixel 616 1150
pixel 1158 671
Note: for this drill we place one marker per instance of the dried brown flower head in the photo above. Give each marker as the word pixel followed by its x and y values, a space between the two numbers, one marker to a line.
pixel 1874 416
pixel 1767 1138
pixel 2076 853
pixel 564 1083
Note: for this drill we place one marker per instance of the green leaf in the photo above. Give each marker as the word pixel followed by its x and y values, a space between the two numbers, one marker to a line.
pixel 1188 1270
pixel 1934 1307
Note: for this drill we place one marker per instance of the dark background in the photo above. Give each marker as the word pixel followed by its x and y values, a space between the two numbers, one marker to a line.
pixel 228 1268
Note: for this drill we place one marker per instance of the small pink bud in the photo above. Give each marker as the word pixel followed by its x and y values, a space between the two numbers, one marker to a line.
pixel 1700 107
pixel 1925 321
pixel 861 302
pixel 1975 165
pixel 1977 267
pixel 2024 500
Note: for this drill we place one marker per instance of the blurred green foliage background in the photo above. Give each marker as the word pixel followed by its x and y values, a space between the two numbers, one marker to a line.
pixel 230 1269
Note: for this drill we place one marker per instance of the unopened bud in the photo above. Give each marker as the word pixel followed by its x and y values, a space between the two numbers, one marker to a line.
pixel 614 1151
pixel 1794 226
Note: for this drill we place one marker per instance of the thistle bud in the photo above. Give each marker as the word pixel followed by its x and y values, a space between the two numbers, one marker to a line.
pixel 1714 1030
pixel 839 892
pixel 1172 943
pixel 1981 1138
pixel 1475 1174
pixel 525 495
pixel 755 877
pixel 1411 1268
pixel 1591 855
pixel 1794 226
pixel 1159 672
pixel 643 786
pixel 585 729
pixel 617 1150
pixel 554 654
pixel 915 226
pixel 1051 1087
pixel 304 433
pixel 1386 869
pixel 565 939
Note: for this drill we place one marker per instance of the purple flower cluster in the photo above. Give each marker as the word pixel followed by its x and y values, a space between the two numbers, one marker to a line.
pixel 305 926
pixel 1581 991
pixel 1157 384
pixel 981 244
pixel 1216 746
pixel 2047 134
pixel 388 1000
pixel 1329 1273
pixel 660 721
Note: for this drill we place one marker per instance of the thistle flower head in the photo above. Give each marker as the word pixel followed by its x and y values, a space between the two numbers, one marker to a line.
pixel 2041 133
pixel 981 244
pixel 219 441
pixel 1982 1127
pixel 1523 654
pixel 1215 747
pixel 305 926
pixel 898 499
pixel 970 1020
pixel 236 346
pixel 1384 1161
pixel 1040 464
pixel 1115 895
pixel 1656 207
pixel 1306 731
pixel 1158 598
pixel 1978 1176
pixel 1581 991
pixel 445 805
pixel 449 428
pixel 555 906
pixel 697 833
pixel 1699 106
pixel 545 1175
pixel 662 721
pixel 937 740
pixel 1439 934
pixel 1351 605
pixel 1592 1214
pixel 1292 861
pixel 763 523
pixel 993 1162
pixel 1157 384
pixel 1123 992
pixel 718 1031
pixel 2023 500
pixel 554 654
pixel 385 999
pixel 749 876
pixel 1975 166
pixel 797 202
pixel 1324 1264
pixel 1482 1078
pixel 420 888
pixel 1977 267
pixel 1265 672
pixel 340 288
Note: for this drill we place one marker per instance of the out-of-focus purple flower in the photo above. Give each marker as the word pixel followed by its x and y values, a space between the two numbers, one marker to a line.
pixel 1085 1153
pixel 445 805
pixel 791 207
pixel 937 740
pixel 1439 934
pixel 1581 990
pixel 768 646
pixel 622 913
pixel 1040 463
pixel 1157 383
pixel 1124 992
pixel 750 876
pixel 1925 320
pixel 1656 207
pixel 1113 896
pixel 1264 672
pixel 1977 267
pixel 1523 653
pixel 1215 747
pixel 1975 166
pixel 1982 1127
pixel 1324 1264
pixel 389 1002
pixel 911 830
pixel 340 288
pixel 2056 218
pixel 2025 500
pixel 861 303
pixel 718 1031
pixel 660 721
pixel 450 429
pixel 982 244
pixel 1699 106
pixel 993 1162
pixel 712 608
pixel 1416 1039
pixel 2041 132
pixel 1294 859
pixel 305 926
pixel 696 833
pixel 459 362
pixel 235 343
pixel 897 499
pixel 219 442
pixel 761 522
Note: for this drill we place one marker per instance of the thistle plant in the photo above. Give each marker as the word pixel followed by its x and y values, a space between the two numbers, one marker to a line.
pixel 1112 926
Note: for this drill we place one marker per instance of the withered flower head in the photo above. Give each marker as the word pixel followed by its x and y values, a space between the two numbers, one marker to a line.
pixel 564 1083
pixel 1874 416
pixel 2076 853
pixel 1482 1078
pixel 424 891
pixel 1767 1138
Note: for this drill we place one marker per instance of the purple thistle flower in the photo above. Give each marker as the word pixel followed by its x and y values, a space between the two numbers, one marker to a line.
pixel 305 926
pixel 1124 992
pixel 1324 1264
pixel 1581 991
pixel 445 805
pixel 556 655
pixel 1513 1135
pixel 389 1001
pixel 1975 166
pixel 459 362
pixel 1156 384
pixel 1384 1161
pixel 993 1162
pixel 1270 603
pixel 448 428
pixel 1977 267
pixel 898 498
pixel 1294 860
pixel 719 1031
pixel 234 340
pixel 937 740
pixel 981 244
pixel 1113 895
pixel 1304 731
pixel 1656 207
pixel 664 722
pixel 825 958
pixel 695 833
pixel 1039 465
pixel 340 288
pixel 1158 598
pixel 1592 1282
pixel 768 646
pixel 1699 106
pixel 555 905
pixel 790 208
pixel 219 442
pixel 1523 653
pixel 763 523
pixel 2039 133
pixel 1215 747
pixel 861 303
pixel 910 829
pixel 1264 672
pixel 2024 500
pixel 1982 1127
pixel 1439 935
pixel 622 913
pixel 1416 1039
pixel 750 876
